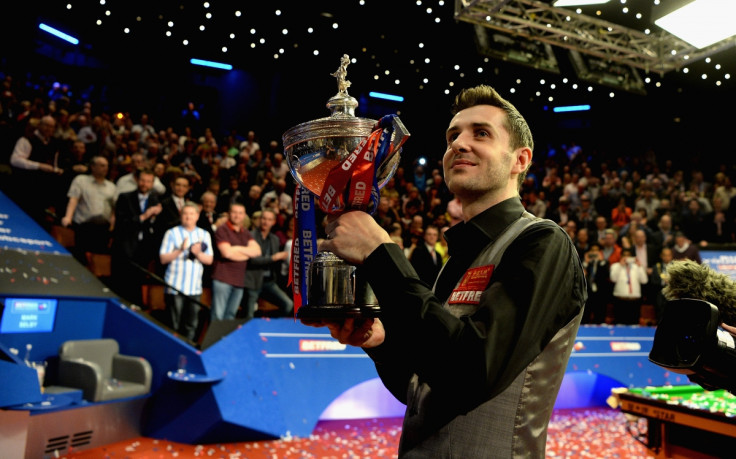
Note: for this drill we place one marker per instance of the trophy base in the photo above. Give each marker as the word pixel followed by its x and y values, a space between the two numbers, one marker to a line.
pixel 338 312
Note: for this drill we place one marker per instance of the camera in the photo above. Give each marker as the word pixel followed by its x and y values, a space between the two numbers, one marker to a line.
pixel 690 341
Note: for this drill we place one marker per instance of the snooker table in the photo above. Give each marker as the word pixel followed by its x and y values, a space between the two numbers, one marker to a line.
pixel 681 421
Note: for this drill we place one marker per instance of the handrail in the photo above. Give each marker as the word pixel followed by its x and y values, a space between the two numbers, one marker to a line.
pixel 163 282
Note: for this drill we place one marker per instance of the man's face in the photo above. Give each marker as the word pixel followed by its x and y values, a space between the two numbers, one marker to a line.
pixel 268 219
pixel 99 168
pixel 189 216
pixel 431 235
pixel 145 183
pixel 477 159
pixel 46 127
pixel 237 215
pixel 208 203
pixel 137 161
pixel 181 187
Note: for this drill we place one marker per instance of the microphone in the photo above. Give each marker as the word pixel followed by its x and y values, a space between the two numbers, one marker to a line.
pixel 690 338
pixel 689 279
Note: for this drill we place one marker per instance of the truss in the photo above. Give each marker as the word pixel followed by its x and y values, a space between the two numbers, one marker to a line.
pixel 658 51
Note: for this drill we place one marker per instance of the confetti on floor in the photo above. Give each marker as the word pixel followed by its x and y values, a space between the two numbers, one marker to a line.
pixel 580 433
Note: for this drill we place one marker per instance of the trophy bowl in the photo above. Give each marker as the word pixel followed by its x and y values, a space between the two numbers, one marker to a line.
pixel 314 149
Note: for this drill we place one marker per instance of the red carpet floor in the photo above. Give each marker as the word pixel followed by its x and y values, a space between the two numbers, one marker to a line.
pixel 579 433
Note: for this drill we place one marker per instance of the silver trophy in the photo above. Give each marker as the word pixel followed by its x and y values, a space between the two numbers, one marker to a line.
pixel 314 149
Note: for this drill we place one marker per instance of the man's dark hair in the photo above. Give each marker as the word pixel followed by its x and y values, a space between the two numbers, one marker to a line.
pixel 519 133
pixel 143 170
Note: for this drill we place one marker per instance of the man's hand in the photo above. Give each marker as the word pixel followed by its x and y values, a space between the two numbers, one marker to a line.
pixel 151 211
pixel 353 235
pixel 66 221
pixel 365 333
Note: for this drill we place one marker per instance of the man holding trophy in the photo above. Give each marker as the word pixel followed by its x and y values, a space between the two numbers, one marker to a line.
pixel 479 359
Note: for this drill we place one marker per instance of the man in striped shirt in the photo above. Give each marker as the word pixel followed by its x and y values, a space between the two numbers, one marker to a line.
pixel 185 249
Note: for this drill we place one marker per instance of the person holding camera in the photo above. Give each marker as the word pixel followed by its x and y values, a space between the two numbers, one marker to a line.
pixel 628 275
pixel 185 249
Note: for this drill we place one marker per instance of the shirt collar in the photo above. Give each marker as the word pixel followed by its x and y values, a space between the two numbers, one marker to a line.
pixel 484 227
pixel 237 229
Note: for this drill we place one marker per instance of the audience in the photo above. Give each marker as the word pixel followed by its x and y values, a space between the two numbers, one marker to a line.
pixel 606 202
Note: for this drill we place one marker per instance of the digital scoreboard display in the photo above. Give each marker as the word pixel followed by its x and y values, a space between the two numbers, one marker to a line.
pixel 28 315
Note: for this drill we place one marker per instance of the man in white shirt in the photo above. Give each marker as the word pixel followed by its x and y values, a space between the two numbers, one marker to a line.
pixel 89 210
pixel 627 276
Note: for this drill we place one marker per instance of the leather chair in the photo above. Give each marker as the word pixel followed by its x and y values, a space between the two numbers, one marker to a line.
pixel 97 367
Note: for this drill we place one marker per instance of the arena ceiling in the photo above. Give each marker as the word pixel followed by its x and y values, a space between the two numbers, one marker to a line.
pixel 423 50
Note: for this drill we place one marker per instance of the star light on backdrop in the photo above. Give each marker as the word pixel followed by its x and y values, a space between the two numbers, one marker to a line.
pixel 407 47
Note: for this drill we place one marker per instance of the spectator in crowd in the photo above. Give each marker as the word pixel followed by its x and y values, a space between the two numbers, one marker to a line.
pixel 597 275
pixel 585 214
pixel 280 168
pixel 659 280
pixel 646 254
pixel 605 202
pixel 664 236
pixel 76 161
pixel 647 200
pixel 684 249
pixel 610 247
pixel 89 210
pixel 209 221
pixel 455 211
pixel 385 215
pixel 627 276
pixel 128 181
pixel 173 204
pixel 425 259
pixel 582 241
pixel 250 145
pixel 535 204
pixel 231 194
pixel 599 233
pixel 235 246
pixel 185 250
pixel 278 199
pixel 719 227
pixel 134 237
pixel 621 214
pixel 35 160
pixel 637 222
pixel 725 191
pixel 261 277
